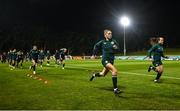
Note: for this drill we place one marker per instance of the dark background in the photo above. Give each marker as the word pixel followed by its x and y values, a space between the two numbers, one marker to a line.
pixel 78 25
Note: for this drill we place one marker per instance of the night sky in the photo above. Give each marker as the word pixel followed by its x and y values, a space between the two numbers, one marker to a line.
pixel 148 17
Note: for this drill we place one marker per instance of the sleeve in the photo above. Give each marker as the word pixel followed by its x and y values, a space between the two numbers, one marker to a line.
pixel 97 46
pixel 116 45
pixel 30 53
pixel 60 54
pixel 151 50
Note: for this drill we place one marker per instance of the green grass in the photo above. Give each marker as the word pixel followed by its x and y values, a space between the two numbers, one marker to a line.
pixel 71 89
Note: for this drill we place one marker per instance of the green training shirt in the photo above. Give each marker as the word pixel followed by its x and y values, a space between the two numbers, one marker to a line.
pixel 108 47
pixel 157 51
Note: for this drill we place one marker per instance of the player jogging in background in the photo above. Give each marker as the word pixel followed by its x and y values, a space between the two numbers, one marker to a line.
pixel 48 55
pixel 34 56
pixel 10 57
pixel 157 51
pixel 57 57
pixel 108 46
pixel 14 59
pixel 20 58
pixel 3 57
pixel 62 56
pixel 41 57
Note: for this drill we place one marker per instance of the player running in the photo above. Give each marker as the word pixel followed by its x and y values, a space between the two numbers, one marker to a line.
pixel 34 56
pixel 108 47
pixel 157 51
pixel 10 53
pixel 14 59
pixel 48 55
pixel 3 57
pixel 57 57
pixel 62 56
pixel 20 58
pixel 41 57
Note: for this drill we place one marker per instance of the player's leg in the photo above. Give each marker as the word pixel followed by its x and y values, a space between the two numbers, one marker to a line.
pixel 159 73
pixel 153 67
pixel 41 62
pixel 103 73
pixel 114 77
pixel 58 61
pixel 22 60
pixel 17 64
pixel 63 63
pixel 33 66
pixel 48 61
pixel 13 63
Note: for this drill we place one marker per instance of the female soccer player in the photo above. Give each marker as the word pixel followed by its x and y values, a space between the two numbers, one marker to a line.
pixel 108 47
pixel 57 57
pixel 3 57
pixel 20 58
pixel 157 51
pixel 48 55
pixel 14 58
pixel 62 56
pixel 41 57
pixel 34 56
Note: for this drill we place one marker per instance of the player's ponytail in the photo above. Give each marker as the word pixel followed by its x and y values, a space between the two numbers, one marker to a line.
pixel 154 40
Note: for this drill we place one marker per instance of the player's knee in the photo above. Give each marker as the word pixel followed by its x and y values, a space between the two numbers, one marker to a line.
pixel 114 72
pixel 161 71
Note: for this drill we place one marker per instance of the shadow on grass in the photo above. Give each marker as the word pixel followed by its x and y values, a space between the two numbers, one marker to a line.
pixel 166 81
pixel 110 89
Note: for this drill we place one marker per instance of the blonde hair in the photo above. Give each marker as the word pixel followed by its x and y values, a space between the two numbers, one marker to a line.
pixel 106 30
pixel 153 40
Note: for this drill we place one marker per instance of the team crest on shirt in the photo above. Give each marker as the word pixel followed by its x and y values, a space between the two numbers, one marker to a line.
pixel 104 42
pixel 160 49
pixel 112 42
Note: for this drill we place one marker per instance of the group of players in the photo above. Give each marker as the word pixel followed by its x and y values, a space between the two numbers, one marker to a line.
pixel 16 58
pixel 108 46
pixel 36 55
pixel 13 57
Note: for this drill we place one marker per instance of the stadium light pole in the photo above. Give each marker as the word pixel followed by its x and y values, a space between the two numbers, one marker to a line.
pixel 125 22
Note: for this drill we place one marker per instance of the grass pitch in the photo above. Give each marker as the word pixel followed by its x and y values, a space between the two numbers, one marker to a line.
pixel 70 89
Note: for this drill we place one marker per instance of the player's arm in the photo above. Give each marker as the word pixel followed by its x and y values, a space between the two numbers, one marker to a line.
pixel 164 56
pixel 60 55
pixel 96 48
pixel 116 45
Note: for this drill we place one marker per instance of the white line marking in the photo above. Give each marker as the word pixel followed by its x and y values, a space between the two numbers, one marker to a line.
pixel 130 73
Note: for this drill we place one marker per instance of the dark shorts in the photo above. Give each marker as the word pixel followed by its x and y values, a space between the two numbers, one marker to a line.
pixel 41 58
pixel 35 59
pixel 62 57
pixel 106 61
pixel 48 57
pixel 57 58
pixel 20 59
pixel 14 58
pixel 157 63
